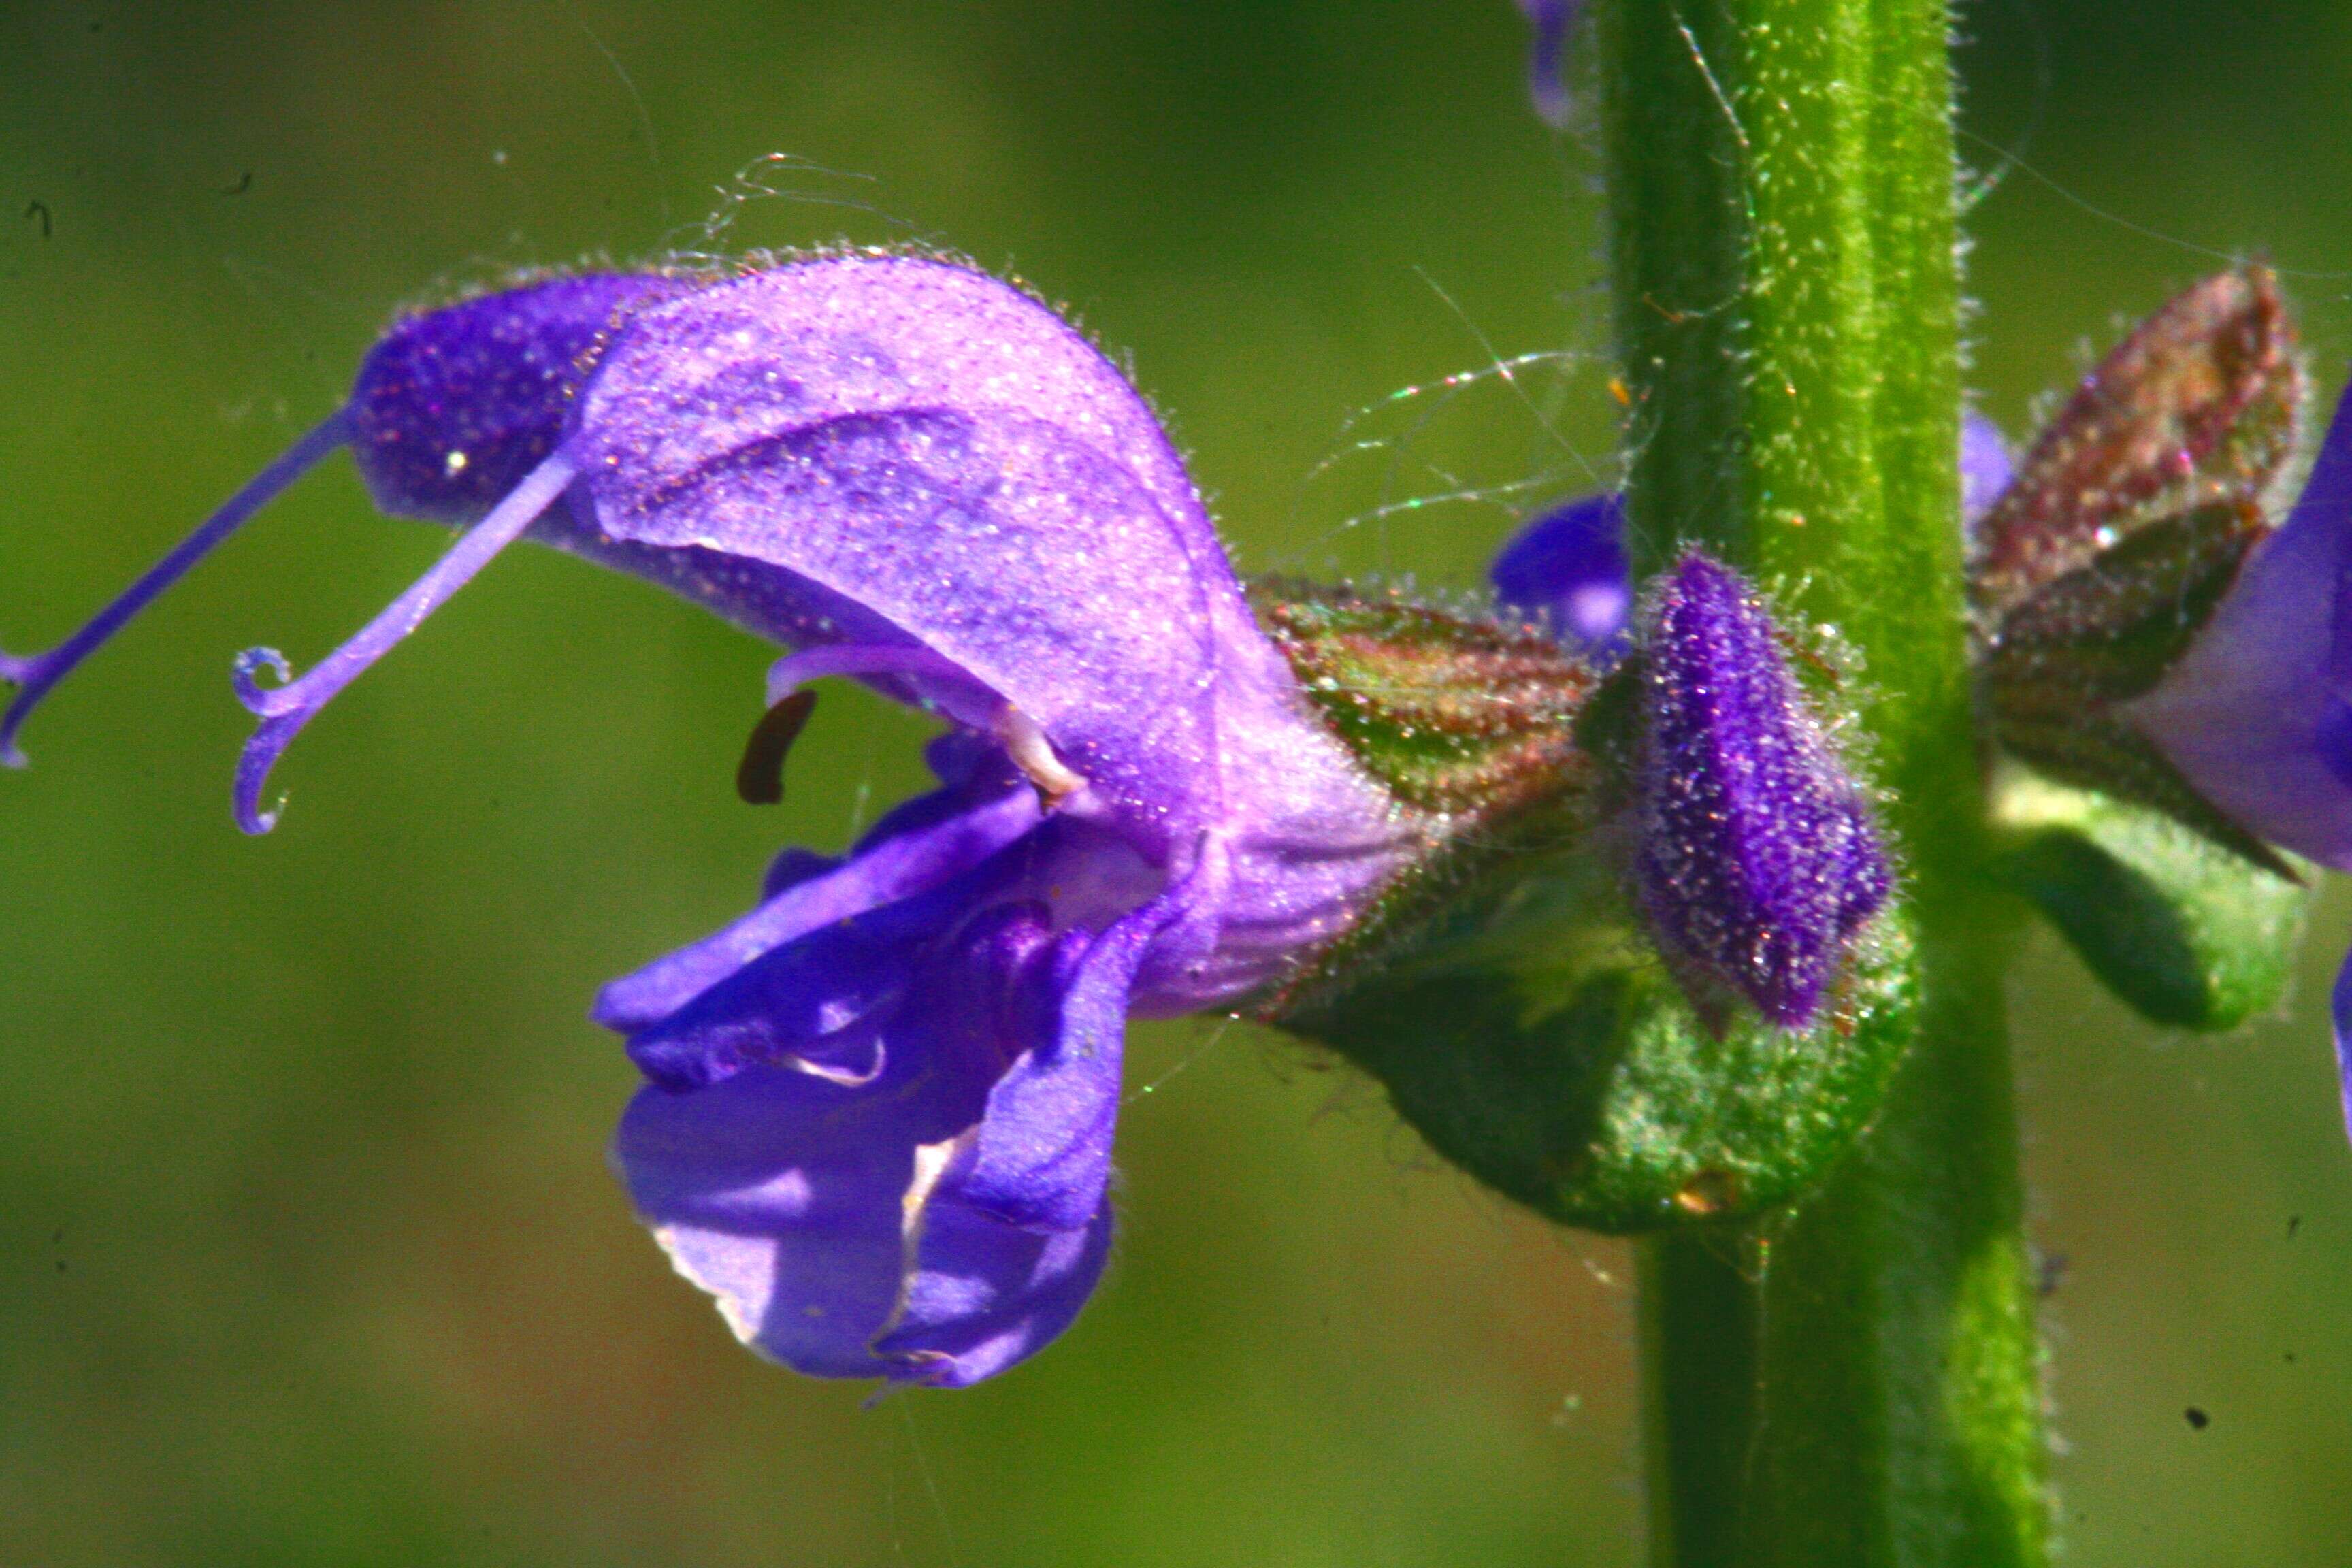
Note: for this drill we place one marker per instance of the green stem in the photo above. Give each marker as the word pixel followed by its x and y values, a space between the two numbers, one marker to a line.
pixel 1857 1383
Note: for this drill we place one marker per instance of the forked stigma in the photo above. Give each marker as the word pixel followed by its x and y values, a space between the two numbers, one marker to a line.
pixel 35 675
pixel 284 709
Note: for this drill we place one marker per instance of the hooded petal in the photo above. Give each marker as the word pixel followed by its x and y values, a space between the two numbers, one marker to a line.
pixel 2257 714
pixel 931 443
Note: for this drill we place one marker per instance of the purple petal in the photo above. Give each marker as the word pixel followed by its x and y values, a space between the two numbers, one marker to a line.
pixel 985 1294
pixel 832 1218
pixel 926 848
pixel 2254 714
pixel 1986 466
pixel 1566 570
pixel 1757 859
pixel 1546 56
pixel 791 867
pixel 819 998
pixel 2340 1005
pixel 781 1195
pixel 1043 1155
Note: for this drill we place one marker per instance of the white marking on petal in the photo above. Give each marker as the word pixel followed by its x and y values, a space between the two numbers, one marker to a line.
pixel 932 1162
pixel 741 1321
pixel 845 1077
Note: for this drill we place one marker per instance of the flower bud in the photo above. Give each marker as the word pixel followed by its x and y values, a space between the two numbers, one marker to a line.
pixel 1757 859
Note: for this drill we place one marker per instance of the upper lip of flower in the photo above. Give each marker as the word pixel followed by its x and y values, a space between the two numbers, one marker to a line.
pixel 929 445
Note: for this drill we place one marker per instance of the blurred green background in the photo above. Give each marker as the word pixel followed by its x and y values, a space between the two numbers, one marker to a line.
pixel 308 1252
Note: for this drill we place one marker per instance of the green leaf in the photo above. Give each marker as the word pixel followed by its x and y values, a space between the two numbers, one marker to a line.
pixel 2183 930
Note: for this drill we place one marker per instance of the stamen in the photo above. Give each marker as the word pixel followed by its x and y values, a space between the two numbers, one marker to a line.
pixel 759 776
pixel 1025 743
pixel 35 674
pixel 284 709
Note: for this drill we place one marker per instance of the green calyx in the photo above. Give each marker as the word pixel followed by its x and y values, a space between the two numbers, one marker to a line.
pixel 2183 930
pixel 1529 1031
pixel 1504 991
pixel 2094 572
pixel 1454 715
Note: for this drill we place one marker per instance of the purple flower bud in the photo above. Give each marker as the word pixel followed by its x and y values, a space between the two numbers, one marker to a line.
pixel 1546 56
pixel 880 1105
pixel 1986 466
pixel 1757 861
pixel 1566 571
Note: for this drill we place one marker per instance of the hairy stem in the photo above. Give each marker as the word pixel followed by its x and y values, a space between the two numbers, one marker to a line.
pixel 1857 1383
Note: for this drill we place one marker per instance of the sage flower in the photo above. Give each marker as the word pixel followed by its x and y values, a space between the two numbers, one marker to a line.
pixel 2256 713
pixel 1546 56
pixel 879 1113
pixel 2146 633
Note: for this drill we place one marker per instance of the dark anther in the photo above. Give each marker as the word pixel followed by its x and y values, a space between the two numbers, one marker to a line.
pixel 2198 1419
pixel 760 777
pixel 39 210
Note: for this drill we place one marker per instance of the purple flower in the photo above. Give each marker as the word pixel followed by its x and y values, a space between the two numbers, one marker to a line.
pixel 1546 56
pixel 1985 467
pixel 1758 860
pixel 879 1120
pixel 1567 569
pixel 2257 713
